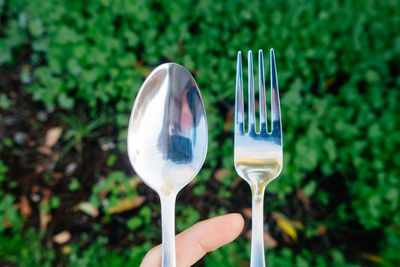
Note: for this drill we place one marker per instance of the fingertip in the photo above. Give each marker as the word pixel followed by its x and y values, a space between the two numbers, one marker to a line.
pixel 222 229
pixel 237 221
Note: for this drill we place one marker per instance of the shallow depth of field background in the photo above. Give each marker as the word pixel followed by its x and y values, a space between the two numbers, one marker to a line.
pixel 69 73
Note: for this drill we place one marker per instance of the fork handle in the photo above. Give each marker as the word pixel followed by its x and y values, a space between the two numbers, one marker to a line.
pixel 257 233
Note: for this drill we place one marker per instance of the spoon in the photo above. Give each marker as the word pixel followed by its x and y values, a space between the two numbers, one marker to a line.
pixel 167 141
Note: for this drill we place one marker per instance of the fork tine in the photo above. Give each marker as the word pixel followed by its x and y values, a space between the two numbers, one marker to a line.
pixel 261 83
pixel 275 107
pixel 239 94
pixel 251 93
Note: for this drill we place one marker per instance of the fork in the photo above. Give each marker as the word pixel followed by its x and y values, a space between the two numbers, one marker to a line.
pixel 257 154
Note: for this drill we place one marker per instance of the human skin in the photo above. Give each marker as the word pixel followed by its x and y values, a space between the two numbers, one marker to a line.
pixel 195 242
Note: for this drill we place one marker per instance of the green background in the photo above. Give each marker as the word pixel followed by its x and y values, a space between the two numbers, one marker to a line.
pixel 338 67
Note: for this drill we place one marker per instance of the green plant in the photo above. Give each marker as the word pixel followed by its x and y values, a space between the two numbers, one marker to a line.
pixel 338 80
pixel 24 248
pixel 5 102
pixel 98 255
pixel 18 246
pixel 74 185
pixel 9 215
pixel 234 254
pixel 77 130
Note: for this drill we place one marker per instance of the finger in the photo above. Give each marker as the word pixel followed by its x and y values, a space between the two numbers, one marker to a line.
pixel 203 237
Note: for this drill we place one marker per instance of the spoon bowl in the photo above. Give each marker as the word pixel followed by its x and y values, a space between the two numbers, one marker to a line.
pixel 167 140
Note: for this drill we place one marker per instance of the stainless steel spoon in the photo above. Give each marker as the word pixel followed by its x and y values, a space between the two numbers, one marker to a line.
pixel 167 141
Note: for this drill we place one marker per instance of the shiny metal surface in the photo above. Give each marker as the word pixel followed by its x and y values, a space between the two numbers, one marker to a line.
pixel 257 155
pixel 167 140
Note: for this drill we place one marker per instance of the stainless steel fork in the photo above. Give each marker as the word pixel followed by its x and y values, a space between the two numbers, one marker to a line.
pixel 258 154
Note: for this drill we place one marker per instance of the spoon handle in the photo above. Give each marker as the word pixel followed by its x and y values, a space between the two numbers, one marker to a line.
pixel 168 230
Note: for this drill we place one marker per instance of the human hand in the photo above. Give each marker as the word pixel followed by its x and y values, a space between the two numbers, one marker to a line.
pixel 193 243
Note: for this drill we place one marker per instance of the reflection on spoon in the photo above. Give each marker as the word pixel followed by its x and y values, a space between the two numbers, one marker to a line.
pixel 167 140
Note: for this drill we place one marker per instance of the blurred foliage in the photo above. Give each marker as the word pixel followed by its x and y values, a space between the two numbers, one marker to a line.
pixel 338 66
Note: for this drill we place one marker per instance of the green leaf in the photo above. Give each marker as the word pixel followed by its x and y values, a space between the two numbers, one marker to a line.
pixel 111 160
pixel 25 77
pixel 65 101
pixel 36 27
pixel 74 185
pixel 55 202
pixel 73 66
pixel 134 223
pixel 310 188
pixel 372 76
pixel 5 102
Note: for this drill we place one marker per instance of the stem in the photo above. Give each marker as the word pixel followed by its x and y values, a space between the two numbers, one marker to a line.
pixel 168 230
pixel 257 233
